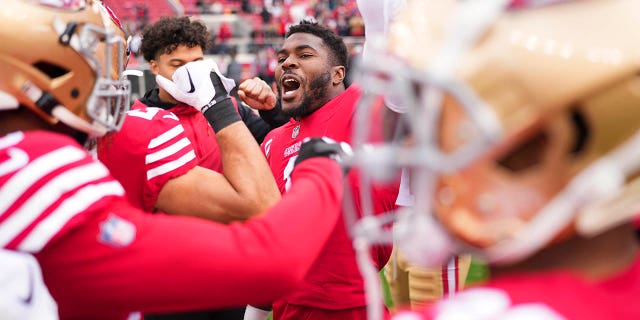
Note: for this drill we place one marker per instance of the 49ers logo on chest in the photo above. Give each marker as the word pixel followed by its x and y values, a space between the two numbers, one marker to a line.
pixel 295 132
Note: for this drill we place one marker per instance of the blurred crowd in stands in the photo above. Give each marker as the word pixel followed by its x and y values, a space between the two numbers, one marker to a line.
pixel 275 15
pixel 245 32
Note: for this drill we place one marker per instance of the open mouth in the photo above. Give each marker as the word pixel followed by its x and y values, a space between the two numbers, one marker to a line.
pixel 290 87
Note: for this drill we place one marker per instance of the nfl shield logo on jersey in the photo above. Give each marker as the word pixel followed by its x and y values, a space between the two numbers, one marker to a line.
pixel 116 231
pixel 295 132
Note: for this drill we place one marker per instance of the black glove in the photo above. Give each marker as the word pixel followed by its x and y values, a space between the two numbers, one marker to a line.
pixel 324 147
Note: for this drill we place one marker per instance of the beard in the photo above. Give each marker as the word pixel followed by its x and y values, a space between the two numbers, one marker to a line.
pixel 313 99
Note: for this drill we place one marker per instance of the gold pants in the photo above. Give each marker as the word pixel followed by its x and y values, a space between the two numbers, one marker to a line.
pixel 413 286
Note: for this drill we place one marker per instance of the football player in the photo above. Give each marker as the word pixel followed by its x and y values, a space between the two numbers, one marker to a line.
pixel 61 82
pixel 525 131
pixel 310 74
pixel 166 150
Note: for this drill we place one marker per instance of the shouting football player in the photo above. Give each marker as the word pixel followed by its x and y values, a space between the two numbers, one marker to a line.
pixel 312 65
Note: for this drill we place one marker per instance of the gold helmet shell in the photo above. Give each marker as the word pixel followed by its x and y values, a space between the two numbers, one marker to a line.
pixel 64 60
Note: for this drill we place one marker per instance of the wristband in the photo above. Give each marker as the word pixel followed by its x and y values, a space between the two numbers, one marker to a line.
pixel 222 115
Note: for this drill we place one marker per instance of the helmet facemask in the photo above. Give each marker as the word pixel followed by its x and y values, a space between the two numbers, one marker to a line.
pixel 104 49
pixel 110 98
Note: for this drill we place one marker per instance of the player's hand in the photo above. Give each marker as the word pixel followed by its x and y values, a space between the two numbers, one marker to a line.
pixel 195 85
pixel 257 94
pixel 324 147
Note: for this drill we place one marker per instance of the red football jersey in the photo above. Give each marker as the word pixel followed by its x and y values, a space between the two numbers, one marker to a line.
pixel 335 281
pixel 202 136
pixel 102 258
pixel 155 145
pixel 45 187
pixel 551 295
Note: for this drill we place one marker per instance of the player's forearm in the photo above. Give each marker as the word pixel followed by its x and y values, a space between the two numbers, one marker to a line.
pixel 294 247
pixel 244 166
pixel 247 170
pixel 260 261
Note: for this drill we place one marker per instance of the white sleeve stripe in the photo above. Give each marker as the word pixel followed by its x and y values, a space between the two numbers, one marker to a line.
pixel 168 151
pixel 166 136
pixel 33 172
pixel 17 159
pixel 170 166
pixel 48 194
pixel 80 201
pixel 11 139
pixel 452 276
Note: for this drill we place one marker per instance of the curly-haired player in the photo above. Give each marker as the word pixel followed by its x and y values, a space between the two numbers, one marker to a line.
pixel 189 156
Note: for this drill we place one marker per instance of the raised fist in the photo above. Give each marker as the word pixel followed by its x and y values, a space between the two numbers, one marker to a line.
pixel 257 94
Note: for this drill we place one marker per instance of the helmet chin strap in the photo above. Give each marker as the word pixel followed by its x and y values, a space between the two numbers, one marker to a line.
pixel 70 119
pixel 8 102
pixel 597 216
pixel 50 105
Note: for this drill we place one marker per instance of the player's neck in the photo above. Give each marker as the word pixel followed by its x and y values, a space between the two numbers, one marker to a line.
pixel 595 258
pixel 165 97
pixel 20 120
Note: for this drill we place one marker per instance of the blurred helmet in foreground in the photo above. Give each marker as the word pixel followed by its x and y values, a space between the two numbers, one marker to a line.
pixel 64 60
pixel 524 123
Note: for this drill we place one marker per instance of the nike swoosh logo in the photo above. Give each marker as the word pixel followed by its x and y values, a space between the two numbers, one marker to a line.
pixel 27 300
pixel 193 88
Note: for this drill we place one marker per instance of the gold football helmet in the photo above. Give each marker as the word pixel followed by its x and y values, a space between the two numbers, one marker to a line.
pixel 524 124
pixel 64 61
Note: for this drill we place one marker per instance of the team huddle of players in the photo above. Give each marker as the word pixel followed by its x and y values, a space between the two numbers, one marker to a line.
pixel 503 130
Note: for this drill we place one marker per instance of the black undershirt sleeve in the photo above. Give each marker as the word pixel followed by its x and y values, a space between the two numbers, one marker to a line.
pixel 265 122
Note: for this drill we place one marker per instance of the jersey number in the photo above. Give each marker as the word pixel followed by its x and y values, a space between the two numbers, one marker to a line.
pixel 147 114
pixel 287 172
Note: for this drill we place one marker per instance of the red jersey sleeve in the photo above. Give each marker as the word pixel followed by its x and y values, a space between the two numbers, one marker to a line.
pixel 150 149
pixel 47 182
pixel 62 205
pixel 165 263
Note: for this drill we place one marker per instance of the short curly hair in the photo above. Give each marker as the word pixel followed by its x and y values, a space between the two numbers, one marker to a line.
pixel 329 38
pixel 168 33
